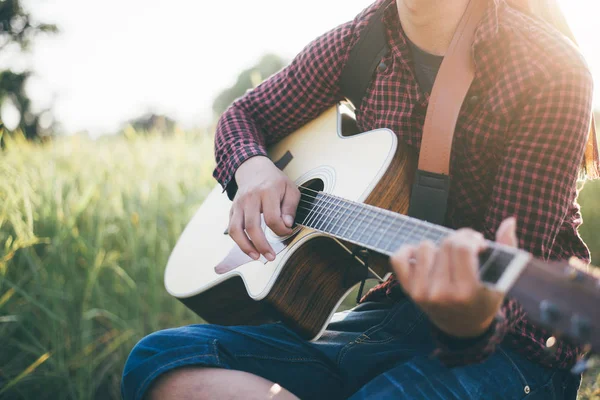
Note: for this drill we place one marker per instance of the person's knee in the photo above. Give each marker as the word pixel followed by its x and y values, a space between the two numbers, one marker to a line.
pixel 168 385
pixel 148 347
pixel 158 351
pixel 169 340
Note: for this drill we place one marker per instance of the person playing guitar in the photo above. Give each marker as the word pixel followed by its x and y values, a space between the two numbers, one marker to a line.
pixel 433 331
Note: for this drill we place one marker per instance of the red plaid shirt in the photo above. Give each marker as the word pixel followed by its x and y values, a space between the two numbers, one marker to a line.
pixel 519 141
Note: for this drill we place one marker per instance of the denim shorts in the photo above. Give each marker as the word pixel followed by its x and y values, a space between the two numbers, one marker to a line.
pixel 375 351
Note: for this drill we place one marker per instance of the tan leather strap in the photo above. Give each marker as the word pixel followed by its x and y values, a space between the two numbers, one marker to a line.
pixel 449 90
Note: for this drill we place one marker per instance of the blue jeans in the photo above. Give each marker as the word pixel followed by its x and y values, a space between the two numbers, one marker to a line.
pixel 375 351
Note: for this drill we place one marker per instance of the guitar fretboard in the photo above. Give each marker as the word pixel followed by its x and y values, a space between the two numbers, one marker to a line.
pixel 377 229
pixel 381 230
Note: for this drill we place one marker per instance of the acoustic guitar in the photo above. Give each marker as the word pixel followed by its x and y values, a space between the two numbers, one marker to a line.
pixel 355 190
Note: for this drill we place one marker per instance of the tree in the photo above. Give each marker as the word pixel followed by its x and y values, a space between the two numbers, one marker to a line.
pixel 247 79
pixel 153 123
pixel 18 29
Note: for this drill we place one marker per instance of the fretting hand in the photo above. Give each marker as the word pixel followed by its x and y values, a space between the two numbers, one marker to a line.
pixel 444 282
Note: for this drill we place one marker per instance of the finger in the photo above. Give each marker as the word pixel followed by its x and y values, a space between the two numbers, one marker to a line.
pixel 236 232
pixel 425 255
pixel 464 260
pixel 289 205
pixel 271 208
pixel 441 281
pixel 252 223
pixel 507 232
pixel 401 265
pixel 439 274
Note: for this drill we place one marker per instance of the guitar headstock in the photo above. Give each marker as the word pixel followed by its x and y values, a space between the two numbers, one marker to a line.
pixel 564 298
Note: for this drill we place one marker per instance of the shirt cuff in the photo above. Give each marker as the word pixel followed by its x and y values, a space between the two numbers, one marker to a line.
pixel 454 352
pixel 225 173
pixel 231 188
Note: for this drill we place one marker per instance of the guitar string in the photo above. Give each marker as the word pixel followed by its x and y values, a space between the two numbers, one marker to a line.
pixel 487 263
pixel 379 214
pixel 324 204
pixel 378 211
pixel 331 203
pixel 325 197
pixel 377 217
pixel 404 237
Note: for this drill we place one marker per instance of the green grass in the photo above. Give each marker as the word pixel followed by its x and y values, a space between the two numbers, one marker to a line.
pixel 85 232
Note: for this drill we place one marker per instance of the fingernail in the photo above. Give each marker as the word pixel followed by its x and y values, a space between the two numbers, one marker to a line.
pixel 289 220
pixel 270 256
pixel 254 255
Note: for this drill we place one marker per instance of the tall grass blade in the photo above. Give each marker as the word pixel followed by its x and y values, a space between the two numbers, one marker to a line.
pixel 26 372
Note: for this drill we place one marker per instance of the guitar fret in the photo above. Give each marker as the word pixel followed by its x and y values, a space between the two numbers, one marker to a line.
pixel 338 225
pixel 344 215
pixel 382 234
pixel 316 211
pixel 367 226
pixel 351 209
pixel 339 213
pixel 360 211
pixel 417 234
pixel 407 236
pixel 398 236
pixel 329 215
pixel 436 235
pixel 375 229
pixel 427 231
pixel 396 229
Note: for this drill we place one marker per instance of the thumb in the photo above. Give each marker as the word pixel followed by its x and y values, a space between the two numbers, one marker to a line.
pixel 507 232
pixel 289 204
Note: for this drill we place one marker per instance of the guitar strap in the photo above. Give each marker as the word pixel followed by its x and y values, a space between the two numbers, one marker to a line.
pixel 364 57
pixel 432 181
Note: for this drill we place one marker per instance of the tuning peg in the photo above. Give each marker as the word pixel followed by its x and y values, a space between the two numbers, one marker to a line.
pixel 549 312
pixel 581 328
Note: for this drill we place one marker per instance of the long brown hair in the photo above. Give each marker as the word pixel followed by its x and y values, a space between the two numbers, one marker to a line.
pixel 549 11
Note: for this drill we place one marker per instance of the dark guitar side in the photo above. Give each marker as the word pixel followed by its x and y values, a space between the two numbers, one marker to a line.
pixel 316 276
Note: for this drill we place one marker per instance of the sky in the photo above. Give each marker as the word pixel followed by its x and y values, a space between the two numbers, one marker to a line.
pixel 117 59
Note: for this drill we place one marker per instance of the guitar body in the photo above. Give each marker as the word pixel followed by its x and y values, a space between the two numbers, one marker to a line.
pixel 312 272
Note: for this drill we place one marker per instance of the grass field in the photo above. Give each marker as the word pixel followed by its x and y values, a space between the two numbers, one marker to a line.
pixel 85 231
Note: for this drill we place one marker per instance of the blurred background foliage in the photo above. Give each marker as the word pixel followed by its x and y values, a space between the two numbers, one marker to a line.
pixel 86 227
pixel 249 78
pixel 17 30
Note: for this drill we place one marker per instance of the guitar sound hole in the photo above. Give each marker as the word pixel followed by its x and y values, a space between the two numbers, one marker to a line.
pixel 309 191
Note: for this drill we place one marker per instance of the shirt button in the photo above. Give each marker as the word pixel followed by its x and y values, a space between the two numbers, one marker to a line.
pixel 473 100
pixel 382 66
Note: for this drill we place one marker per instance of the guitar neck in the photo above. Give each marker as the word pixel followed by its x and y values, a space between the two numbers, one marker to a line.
pixel 370 227
pixel 547 291
pixel 384 231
